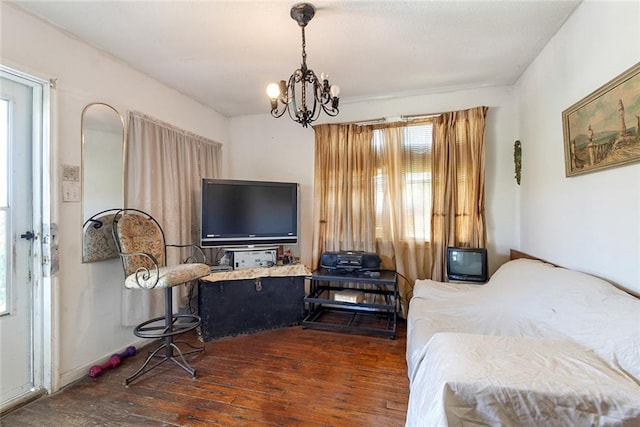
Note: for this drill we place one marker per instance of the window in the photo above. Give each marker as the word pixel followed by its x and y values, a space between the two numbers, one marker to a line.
pixel 411 186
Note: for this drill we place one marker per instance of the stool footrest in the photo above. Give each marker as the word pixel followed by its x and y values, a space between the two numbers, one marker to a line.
pixel 159 327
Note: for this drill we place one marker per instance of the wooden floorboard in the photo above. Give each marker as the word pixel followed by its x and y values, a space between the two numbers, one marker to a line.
pixel 283 377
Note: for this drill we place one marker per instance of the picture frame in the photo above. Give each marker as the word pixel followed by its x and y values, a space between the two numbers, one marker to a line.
pixel 602 130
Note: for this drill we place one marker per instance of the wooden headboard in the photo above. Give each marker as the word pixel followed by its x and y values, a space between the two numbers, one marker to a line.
pixel 514 254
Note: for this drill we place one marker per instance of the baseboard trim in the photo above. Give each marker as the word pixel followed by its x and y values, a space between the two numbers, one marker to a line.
pixel 78 373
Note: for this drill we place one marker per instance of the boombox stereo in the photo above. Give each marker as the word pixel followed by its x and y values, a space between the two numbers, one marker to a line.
pixel 350 260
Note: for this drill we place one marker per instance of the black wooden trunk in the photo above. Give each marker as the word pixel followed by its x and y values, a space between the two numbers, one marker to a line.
pixel 241 306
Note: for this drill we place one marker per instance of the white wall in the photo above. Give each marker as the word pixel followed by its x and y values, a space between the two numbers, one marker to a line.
pixel 279 149
pixel 588 222
pixel 89 294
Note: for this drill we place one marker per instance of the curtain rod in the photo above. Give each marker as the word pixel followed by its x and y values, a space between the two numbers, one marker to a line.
pixel 169 126
pixel 381 120
pixel 419 116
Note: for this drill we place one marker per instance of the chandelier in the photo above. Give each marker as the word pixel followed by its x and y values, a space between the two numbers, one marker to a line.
pixel 304 94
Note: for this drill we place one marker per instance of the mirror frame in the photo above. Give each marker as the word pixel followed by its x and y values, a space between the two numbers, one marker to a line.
pixel 83 139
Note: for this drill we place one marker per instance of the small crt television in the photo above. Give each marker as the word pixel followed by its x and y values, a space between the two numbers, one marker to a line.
pixel 467 264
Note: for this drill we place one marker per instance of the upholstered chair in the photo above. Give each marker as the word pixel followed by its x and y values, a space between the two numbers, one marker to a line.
pixel 97 239
pixel 142 248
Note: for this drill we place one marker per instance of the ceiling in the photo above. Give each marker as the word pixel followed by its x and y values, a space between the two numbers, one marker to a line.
pixel 224 53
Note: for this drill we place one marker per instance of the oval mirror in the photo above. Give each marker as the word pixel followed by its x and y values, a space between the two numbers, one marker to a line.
pixel 103 145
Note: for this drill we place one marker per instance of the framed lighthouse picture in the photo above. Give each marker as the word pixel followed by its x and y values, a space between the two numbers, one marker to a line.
pixel 603 129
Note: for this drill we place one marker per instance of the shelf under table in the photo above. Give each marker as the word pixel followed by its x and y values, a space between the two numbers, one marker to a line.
pixel 349 320
pixel 376 314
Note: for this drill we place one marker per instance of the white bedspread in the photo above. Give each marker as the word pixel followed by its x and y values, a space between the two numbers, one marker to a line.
pixel 471 380
pixel 535 343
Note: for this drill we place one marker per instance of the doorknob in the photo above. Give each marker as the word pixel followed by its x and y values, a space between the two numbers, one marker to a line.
pixel 28 235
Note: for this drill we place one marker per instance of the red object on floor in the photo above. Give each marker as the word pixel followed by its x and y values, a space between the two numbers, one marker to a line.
pixel 114 362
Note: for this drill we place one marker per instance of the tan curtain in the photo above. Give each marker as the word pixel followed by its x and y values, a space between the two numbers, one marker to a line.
pixel 458 184
pixel 355 164
pixel 432 192
pixel 164 168
pixel 344 207
pixel 403 232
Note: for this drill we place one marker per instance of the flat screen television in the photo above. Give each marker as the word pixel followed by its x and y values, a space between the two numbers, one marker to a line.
pixel 467 264
pixel 248 213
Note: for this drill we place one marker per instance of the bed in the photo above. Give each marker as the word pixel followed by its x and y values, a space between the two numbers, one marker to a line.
pixel 536 345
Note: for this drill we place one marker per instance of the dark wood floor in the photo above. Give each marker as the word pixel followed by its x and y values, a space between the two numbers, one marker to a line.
pixel 283 377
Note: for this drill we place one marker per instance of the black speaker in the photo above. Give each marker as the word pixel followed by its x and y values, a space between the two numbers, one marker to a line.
pixel 350 260
pixel 329 260
pixel 370 261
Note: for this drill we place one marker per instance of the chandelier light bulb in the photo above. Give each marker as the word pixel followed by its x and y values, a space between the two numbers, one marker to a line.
pixel 335 90
pixel 324 76
pixel 273 90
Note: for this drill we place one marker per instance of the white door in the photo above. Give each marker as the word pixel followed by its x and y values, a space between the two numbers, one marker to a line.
pixel 18 127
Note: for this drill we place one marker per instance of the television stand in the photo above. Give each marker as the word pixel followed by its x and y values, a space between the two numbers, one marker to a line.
pixel 353 301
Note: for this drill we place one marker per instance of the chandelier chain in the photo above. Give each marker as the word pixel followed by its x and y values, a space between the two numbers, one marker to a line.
pixel 304 73
pixel 304 51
